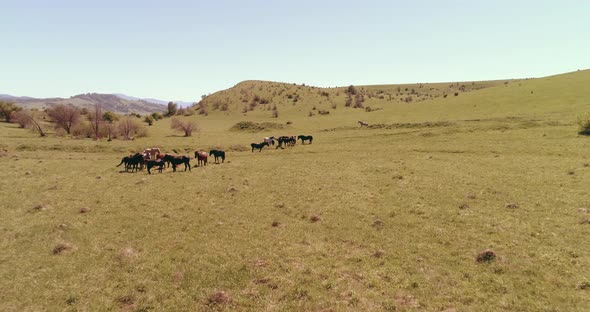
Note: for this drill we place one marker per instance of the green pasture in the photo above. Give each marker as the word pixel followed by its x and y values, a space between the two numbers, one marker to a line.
pixel 385 218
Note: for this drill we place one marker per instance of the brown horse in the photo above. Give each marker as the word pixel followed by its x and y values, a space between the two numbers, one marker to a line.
pixel 152 152
pixel 201 158
pixel 177 160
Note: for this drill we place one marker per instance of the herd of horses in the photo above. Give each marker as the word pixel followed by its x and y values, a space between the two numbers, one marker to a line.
pixel 282 141
pixel 154 158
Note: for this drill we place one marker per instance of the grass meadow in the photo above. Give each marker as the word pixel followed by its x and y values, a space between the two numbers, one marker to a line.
pixel 388 218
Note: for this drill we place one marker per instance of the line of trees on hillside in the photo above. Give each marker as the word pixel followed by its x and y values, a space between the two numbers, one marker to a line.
pixel 92 123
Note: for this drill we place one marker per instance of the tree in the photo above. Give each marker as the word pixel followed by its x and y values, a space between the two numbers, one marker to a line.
pixel 128 127
pixel 109 117
pixel 6 110
pixel 186 126
pixel 26 118
pixel 172 108
pixel 65 117
pixel 96 121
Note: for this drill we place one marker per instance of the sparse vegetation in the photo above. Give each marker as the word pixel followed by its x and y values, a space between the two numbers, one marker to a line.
pixel 584 124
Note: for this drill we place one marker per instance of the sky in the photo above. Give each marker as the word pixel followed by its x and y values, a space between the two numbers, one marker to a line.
pixel 180 50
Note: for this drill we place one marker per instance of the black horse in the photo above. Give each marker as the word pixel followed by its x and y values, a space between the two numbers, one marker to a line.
pixel 177 160
pixel 304 138
pixel 155 163
pixel 217 154
pixel 133 162
pixel 285 141
pixel 258 146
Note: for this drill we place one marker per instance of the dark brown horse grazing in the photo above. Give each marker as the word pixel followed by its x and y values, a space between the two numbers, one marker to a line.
pixel 259 146
pixel 201 158
pixel 155 163
pixel 217 154
pixel 177 160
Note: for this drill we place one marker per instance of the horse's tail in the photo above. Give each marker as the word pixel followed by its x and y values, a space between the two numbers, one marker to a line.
pixel 122 161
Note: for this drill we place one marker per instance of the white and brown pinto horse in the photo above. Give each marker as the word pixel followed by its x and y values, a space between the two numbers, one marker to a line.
pixel 152 153
pixel 270 140
pixel 363 123
pixel 201 158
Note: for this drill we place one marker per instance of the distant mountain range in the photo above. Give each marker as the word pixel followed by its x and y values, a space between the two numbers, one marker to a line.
pixel 155 101
pixel 118 103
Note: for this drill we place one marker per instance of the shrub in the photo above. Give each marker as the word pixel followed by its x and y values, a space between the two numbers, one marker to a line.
pixel 27 118
pixel 19 118
pixel 203 108
pixel 128 127
pixel 584 124
pixel 486 256
pixel 255 127
pixel 149 120
pixel 6 110
pixel 82 130
pixel 157 116
pixel 275 113
pixel 348 102
pixel 185 126
pixel 60 132
pixel 351 90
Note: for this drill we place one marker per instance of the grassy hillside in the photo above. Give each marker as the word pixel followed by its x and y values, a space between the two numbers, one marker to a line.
pixel 253 97
pixel 385 218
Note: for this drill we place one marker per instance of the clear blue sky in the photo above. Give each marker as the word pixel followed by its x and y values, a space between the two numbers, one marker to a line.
pixel 178 50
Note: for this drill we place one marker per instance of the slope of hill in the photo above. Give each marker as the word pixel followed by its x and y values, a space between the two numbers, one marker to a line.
pixel 109 102
pixel 253 95
pixel 554 97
